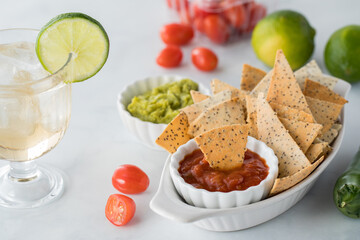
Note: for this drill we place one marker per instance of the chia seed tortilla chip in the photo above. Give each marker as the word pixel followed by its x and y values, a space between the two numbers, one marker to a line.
pixel 262 86
pixel 175 134
pixel 313 72
pixel 194 110
pixel 250 106
pixel 284 183
pixel 224 148
pixel 329 136
pixel 226 113
pixel 325 113
pixel 291 113
pixel 303 133
pixel 251 115
pixel 198 96
pixel 273 133
pixel 337 126
pixel 250 77
pixel 253 126
pixel 327 81
pixel 309 70
pixel 316 150
pixel 219 86
pixel 283 88
pixel 318 91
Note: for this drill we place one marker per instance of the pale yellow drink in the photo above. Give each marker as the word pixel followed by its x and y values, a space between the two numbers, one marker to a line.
pixel 32 121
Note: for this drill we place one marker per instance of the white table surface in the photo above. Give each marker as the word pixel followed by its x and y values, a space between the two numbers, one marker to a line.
pixel 96 141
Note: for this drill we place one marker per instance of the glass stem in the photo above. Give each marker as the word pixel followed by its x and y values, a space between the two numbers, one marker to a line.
pixel 23 171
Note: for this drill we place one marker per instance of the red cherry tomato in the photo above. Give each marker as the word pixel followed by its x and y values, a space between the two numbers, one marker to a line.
pixel 177 4
pixel 236 14
pixel 199 24
pixel 169 57
pixel 204 59
pixel 216 29
pixel 176 34
pixel 119 209
pixel 130 179
pixel 185 16
pixel 211 8
pixel 256 12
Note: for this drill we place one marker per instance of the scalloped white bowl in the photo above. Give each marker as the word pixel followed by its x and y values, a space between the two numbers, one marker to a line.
pixel 169 204
pixel 206 199
pixel 146 132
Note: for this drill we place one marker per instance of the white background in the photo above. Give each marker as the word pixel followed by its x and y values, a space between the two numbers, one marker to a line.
pixel 97 142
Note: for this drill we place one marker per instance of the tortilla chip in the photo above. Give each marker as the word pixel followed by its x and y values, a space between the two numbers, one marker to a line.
pixel 250 105
pixel 324 80
pixel 303 133
pixel 282 184
pixel 226 113
pixel 252 123
pixel 283 88
pixel 308 71
pixel 219 86
pixel 251 115
pixel 329 136
pixel 194 110
pixel 316 150
pixel 262 86
pixel 250 77
pixel 325 113
pixel 273 133
pixel 291 113
pixel 224 148
pixel 337 126
pixel 198 96
pixel 318 91
pixel 175 134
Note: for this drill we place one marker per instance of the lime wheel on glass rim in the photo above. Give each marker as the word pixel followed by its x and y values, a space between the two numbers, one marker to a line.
pixel 78 34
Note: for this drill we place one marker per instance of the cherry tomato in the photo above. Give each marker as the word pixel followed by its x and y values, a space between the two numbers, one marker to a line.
pixel 130 179
pixel 176 34
pixel 185 16
pixel 235 15
pixel 119 209
pixel 216 29
pixel 199 24
pixel 255 13
pixel 178 4
pixel 169 57
pixel 204 59
pixel 204 11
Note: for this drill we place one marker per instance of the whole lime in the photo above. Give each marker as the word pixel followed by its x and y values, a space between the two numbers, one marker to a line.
pixel 342 53
pixel 287 30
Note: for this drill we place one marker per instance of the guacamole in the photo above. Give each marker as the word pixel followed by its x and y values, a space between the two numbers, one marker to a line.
pixel 162 104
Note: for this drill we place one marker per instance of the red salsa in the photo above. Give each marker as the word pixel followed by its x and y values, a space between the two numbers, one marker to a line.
pixel 196 171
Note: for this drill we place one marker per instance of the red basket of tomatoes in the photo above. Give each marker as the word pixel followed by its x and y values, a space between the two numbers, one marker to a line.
pixel 220 20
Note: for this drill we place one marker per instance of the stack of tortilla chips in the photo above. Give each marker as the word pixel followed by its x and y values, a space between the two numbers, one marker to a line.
pixel 295 114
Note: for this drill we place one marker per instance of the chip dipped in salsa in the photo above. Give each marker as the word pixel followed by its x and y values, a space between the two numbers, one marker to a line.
pixel 195 170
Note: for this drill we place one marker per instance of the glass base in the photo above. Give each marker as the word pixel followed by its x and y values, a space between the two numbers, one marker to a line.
pixel 44 186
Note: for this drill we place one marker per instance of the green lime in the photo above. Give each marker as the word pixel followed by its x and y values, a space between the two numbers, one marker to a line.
pixel 286 30
pixel 74 33
pixel 342 53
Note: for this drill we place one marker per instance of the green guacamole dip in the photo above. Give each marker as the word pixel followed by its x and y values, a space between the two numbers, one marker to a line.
pixel 162 104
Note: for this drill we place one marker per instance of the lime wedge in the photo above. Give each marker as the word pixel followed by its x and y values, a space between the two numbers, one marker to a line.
pixel 74 33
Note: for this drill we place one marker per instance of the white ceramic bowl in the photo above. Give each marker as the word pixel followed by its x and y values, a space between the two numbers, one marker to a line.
pixel 146 132
pixel 168 203
pixel 207 199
